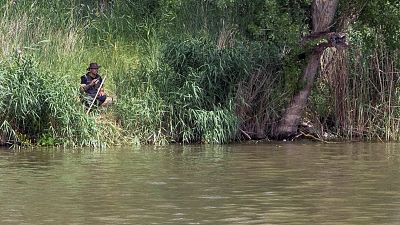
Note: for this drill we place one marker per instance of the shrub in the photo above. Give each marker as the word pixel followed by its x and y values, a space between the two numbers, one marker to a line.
pixel 190 96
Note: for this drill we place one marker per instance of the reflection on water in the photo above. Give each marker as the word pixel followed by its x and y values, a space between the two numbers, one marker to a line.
pixel 234 184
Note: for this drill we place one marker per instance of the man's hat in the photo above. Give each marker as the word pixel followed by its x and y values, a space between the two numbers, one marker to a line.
pixel 93 66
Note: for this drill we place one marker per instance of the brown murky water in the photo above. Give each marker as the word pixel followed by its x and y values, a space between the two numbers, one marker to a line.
pixel 281 183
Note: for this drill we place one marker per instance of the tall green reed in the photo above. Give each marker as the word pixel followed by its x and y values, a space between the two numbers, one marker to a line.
pixel 38 106
pixel 183 89
pixel 357 95
pixel 190 96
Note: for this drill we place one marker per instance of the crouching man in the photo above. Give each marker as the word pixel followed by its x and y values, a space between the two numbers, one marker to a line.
pixel 92 86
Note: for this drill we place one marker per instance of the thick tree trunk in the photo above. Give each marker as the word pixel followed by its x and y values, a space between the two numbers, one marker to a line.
pixel 323 12
pixel 291 119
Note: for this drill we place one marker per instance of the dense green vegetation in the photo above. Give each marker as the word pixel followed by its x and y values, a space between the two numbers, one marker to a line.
pixel 191 71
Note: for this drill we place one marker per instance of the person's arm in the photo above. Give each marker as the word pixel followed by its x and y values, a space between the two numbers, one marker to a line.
pixel 101 92
pixel 84 86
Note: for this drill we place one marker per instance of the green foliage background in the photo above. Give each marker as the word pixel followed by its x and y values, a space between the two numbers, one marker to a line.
pixel 174 66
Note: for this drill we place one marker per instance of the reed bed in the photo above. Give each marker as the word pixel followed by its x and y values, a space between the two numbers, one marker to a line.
pixel 189 94
pixel 181 71
pixel 358 92
pixel 373 88
pixel 168 91
pixel 38 109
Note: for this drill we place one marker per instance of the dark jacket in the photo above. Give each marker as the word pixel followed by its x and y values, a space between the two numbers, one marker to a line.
pixel 86 79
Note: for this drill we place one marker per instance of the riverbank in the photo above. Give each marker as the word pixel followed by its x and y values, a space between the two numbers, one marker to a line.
pixel 192 72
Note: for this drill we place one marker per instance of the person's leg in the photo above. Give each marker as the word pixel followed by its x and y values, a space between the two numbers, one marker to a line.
pixel 102 99
pixel 86 99
pixel 109 100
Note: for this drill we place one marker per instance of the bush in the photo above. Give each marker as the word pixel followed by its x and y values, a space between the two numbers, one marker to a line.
pixel 190 96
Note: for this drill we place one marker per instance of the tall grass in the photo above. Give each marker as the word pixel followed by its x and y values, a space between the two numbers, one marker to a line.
pixel 44 50
pixel 38 109
pixel 184 90
pixel 182 71
pixel 358 93
pixel 189 92
pixel 259 101
pixel 374 95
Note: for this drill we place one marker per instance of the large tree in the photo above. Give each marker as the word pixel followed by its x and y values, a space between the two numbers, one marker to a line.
pixel 323 14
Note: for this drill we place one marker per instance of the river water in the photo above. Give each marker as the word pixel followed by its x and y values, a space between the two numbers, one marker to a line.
pixel 281 183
